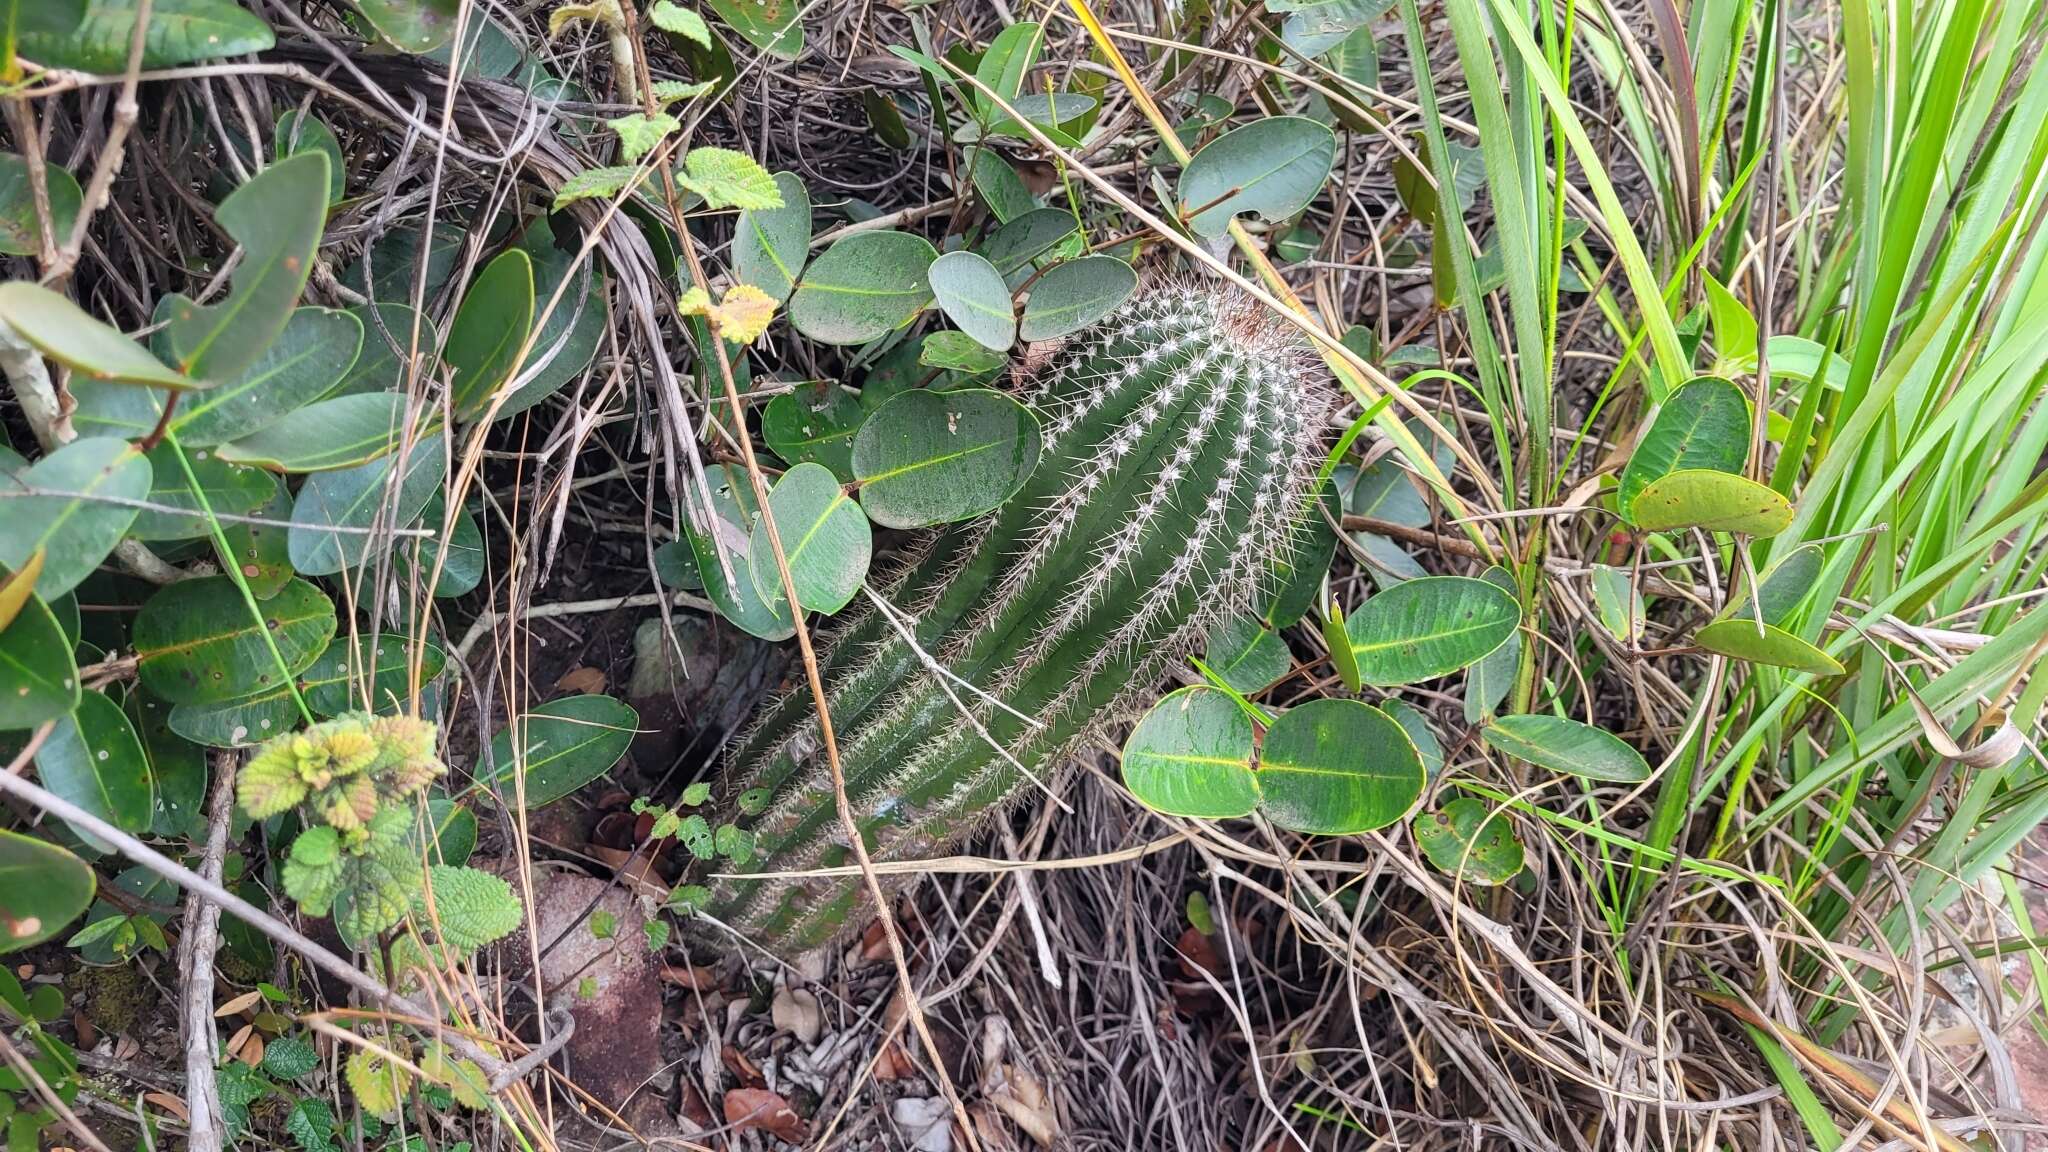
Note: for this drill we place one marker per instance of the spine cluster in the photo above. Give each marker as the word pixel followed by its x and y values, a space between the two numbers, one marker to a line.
pixel 1181 437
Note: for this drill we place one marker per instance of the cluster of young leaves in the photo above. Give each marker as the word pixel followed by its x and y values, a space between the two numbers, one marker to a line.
pixel 24 1114
pixel 699 837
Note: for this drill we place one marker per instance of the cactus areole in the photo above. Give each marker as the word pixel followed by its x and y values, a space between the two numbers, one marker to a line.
pixel 1181 436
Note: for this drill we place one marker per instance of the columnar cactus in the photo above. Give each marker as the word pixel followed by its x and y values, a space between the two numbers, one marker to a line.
pixel 1180 441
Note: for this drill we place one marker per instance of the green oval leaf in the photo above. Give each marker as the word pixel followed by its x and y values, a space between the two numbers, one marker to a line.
pixel 488 331
pixel 196 642
pixel 93 759
pixel 824 538
pixel 563 345
pixel 66 333
pixel 1075 294
pixel 230 489
pixel 326 435
pixel 935 457
pixel 1715 501
pixel 38 676
pixel 177 766
pixel 374 668
pixel 814 423
pixel 972 295
pixel 865 285
pixel 1422 629
pixel 415 26
pixel 277 218
pixel 1469 839
pixel 1413 722
pixel 1337 767
pixel 1191 755
pixel 566 744
pixel 1782 588
pixel 81 509
pixel 1566 746
pixel 1273 167
pixel 21 230
pixel 726 551
pixel 296 133
pixel 386 350
pixel 774 26
pixel 238 723
pixel 263 550
pixel 308 359
pixel 1246 656
pixel 770 245
pixel 453 828
pixel 335 513
pixel 43 888
pixel 1704 424
pixel 1012 247
pixel 958 352
pixel 1747 640
pixel 178 32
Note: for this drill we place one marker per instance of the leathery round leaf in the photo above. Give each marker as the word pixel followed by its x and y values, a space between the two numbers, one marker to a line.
pixel 1716 501
pixel 972 294
pixel 1191 755
pixel 1704 424
pixel 84 507
pixel 1273 167
pixel 1747 640
pixel 865 285
pixel 196 642
pixel 825 540
pixel 325 435
pixel 375 667
pixel 1469 839
pixel 93 759
pixel 563 745
pixel 934 457
pixel 38 675
pixel 1075 294
pixel 1246 656
pixel 1337 767
pixel 21 230
pixel 1428 627
pixel 815 424
pixel 43 888
pixel 71 336
pixel 770 245
pixel 1566 746
pixel 489 330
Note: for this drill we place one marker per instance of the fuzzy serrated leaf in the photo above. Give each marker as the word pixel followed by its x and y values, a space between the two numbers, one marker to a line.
pixel 729 179
pixel 682 21
pixel 595 184
pixel 640 133
pixel 379 1085
pixel 472 908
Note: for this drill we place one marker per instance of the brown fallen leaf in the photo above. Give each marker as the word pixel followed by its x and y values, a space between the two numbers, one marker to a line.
pixel 697 977
pixel 242 1003
pixel 796 1011
pixel 759 1108
pixel 582 679
pixel 893 1063
pixel 168 1103
pixel 1198 954
pixel 743 1069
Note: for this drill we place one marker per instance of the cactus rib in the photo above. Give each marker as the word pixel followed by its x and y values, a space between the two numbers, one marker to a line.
pixel 1180 441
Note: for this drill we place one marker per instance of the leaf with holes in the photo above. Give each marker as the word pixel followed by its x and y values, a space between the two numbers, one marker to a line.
pixel 1191 755
pixel 66 333
pixel 489 328
pixel 196 642
pixel 21 230
pixel 928 458
pixel 1704 424
pixel 825 540
pixel 866 285
pixel 1422 629
pixel 770 245
pixel 1747 640
pixel 43 888
pixel 972 294
pixel 83 503
pixel 1467 838
pixel 38 675
pixel 261 545
pixel 1273 167
pixel 814 423
pixel 563 745
pixel 1336 768
pixel 1246 656
pixel 373 668
pixel 774 26
pixel 1714 501
pixel 239 723
pixel 415 26
pixel 1075 294
pixel 1566 746
pixel 93 759
pixel 230 490
pixel 326 435
pixel 276 218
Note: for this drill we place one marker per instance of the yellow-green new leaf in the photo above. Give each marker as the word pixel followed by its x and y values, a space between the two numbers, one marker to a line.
pixel 1715 501
pixel 1752 642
